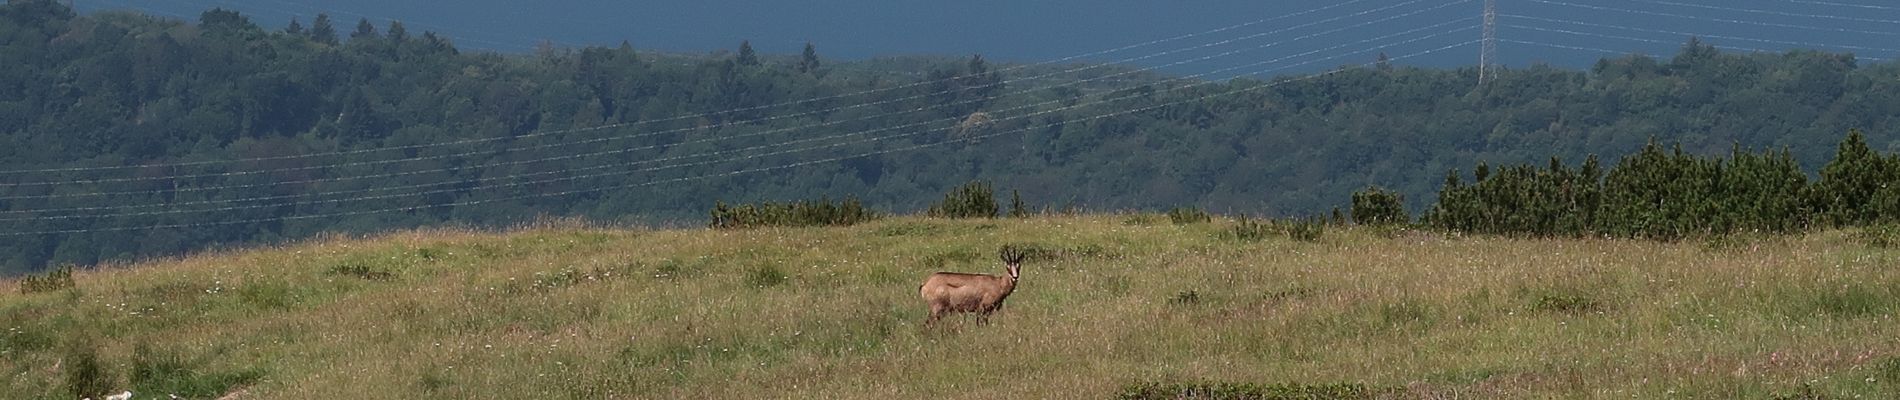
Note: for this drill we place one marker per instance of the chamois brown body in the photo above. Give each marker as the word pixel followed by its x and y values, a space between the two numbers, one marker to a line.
pixel 951 292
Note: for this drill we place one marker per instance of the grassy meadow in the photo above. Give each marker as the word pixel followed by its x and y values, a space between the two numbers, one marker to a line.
pixel 572 311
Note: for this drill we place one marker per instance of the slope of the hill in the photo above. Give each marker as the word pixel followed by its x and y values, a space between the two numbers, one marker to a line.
pixel 575 312
pixel 615 134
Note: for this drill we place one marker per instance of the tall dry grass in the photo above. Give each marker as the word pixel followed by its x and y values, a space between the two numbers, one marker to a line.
pixel 576 311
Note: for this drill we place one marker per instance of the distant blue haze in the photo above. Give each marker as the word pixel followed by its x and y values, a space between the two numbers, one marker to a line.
pixel 1031 31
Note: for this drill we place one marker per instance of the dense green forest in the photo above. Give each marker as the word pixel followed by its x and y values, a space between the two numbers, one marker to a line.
pixel 124 136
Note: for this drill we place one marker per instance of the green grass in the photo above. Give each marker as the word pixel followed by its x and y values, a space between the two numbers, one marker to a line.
pixel 1106 309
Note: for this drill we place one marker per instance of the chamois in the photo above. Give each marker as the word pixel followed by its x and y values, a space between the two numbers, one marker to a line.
pixel 951 292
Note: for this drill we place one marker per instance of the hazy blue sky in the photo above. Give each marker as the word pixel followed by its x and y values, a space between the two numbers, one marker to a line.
pixel 1028 30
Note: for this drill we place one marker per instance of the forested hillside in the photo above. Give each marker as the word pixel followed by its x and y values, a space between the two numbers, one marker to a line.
pixel 236 134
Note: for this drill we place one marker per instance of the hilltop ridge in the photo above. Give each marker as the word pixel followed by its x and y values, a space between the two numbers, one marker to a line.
pixel 133 137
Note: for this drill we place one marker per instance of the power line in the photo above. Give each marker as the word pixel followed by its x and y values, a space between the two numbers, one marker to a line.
pixel 1770 41
pixel 717 175
pixel 716 113
pixel 1561 46
pixel 597 140
pixel 1734 21
pixel 1592 34
pixel 1030 106
pixel 1770 12
pixel 1830 3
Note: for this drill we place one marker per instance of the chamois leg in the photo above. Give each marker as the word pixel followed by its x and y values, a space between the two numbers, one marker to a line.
pixel 936 313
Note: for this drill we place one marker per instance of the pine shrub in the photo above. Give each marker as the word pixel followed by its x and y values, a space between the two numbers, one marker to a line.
pixel 972 200
pixel 1666 195
pixel 1378 206
pixel 1249 229
pixel 822 212
pixel 1016 207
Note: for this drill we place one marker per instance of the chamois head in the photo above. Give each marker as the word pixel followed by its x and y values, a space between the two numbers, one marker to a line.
pixel 950 292
pixel 1012 261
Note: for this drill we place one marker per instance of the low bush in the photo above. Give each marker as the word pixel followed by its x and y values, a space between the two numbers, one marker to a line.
pixel 1188 215
pixel 1378 206
pixel 53 280
pixel 1307 230
pixel 1249 229
pixel 972 200
pixel 1882 235
pixel 822 212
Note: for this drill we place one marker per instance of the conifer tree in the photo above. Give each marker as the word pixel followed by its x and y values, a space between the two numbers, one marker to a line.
pixel 397 34
pixel 1849 181
pixel 626 51
pixel 746 56
pixel 321 31
pixel 364 30
pixel 809 62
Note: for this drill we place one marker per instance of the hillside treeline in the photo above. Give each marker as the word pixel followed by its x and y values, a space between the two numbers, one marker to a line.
pixel 415 131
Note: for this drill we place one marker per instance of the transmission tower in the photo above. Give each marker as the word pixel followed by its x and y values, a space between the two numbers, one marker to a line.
pixel 1488 56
